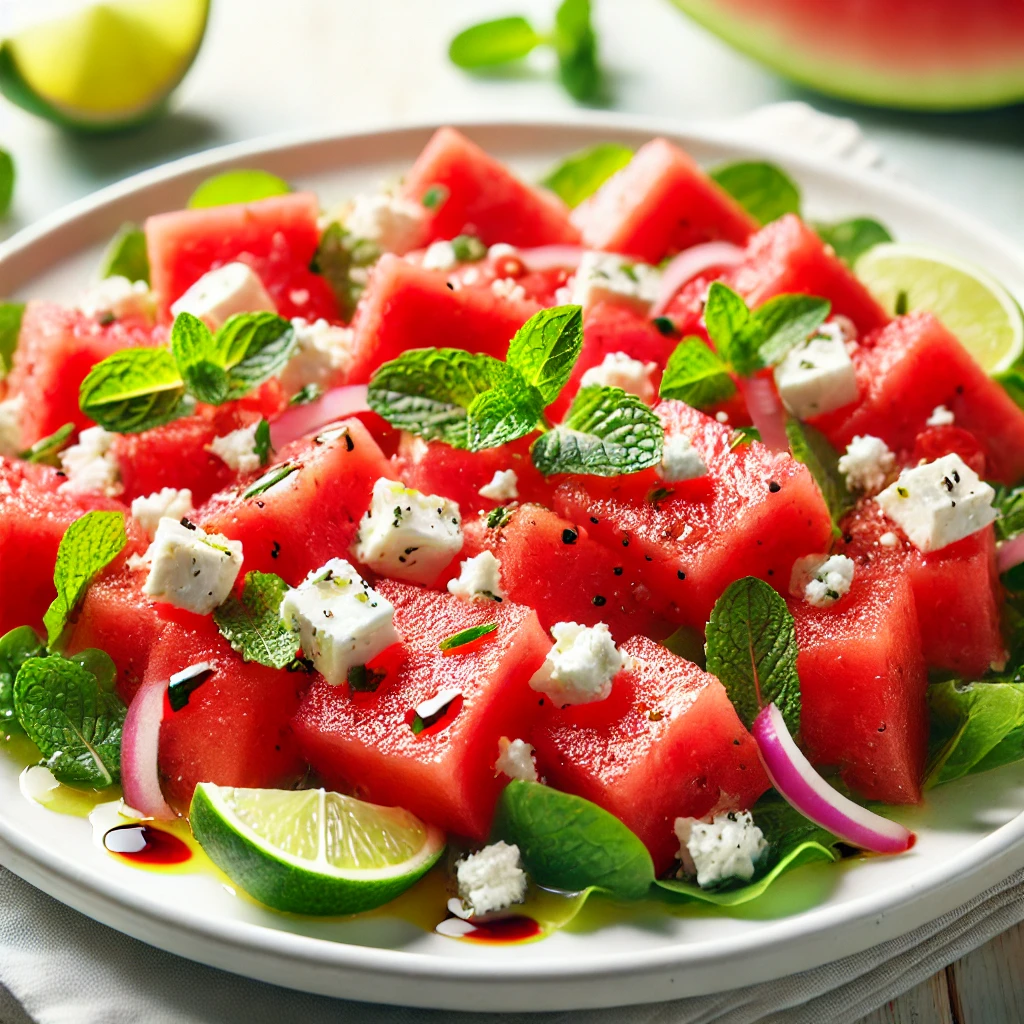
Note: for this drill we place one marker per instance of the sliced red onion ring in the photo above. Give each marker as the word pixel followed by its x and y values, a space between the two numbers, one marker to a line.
pixel 140 778
pixel 551 257
pixel 766 411
pixel 688 264
pixel 304 419
pixel 803 788
pixel 1010 553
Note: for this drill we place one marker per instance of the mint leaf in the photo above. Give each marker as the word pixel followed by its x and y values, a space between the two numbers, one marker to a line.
pixel 852 238
pixel 253 625
pixel 569 843
pixel 239 186
pixel 7 176
pixel 492 43
pixel 126 255
pixel 16 647
pixel 545 349
pixel 509 410
pixel 10 329
pixel 46 449
pixel 582 174
pixel 252 348
pixel 337 256
pixel 751 647
pixel 696 375
pixel 88 546
pixel 606 433
pixel 764 190
pixel 466 636
pixel 262 448
pixel 134 390
pixel 468 248
pixel 434 197
pixel 788 321
pixel 1010 504
pixel 198 359
pixel 811 447
pixel 75 724
pixel 98 664
pixel 576 48
pixel 737 334
pixel 306 394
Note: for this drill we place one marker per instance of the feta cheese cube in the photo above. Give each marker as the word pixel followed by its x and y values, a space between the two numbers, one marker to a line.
pixel 221 293
pixel 889 539
pixel 680 460
pixel 341 620
pixel 440 256
pixel 821 580
pixel 939 503
pixel 479 579
pixel 728 847
pixel 508 288
pixel 237 449
pixel 516 760
pixel 818 376
pixel 323 354
pixel 504 486
pixel 90 465
pixel 618 370
pixel 436 704
pixel 941 417
pixel 491 880
pixel 11 410
pixel 190 568
pixel 394 224
pixel 867 463
pixel 167 503
pixel 580 666
pixel 608 277
pixel 407 534
pixel 118 297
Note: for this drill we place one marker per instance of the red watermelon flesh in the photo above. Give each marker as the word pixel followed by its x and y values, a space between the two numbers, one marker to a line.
pixel 313 514
pixel 863 684
pixel 405 306
pixel 363 742
pixel 277 237
pixel 956 590
pixel 660 203
pixel 934 442
pixel 552 565
pixel 480 196
pixel 667 743
pixel 753 514
pixel 907 369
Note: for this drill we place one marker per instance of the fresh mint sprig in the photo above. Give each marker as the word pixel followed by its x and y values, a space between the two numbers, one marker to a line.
pixel 545 349
pixel 16 647
pixel 252 623
pixel 696 375
pixel 133 390
pixel 580 175
pixel 852 238
pixel 763 189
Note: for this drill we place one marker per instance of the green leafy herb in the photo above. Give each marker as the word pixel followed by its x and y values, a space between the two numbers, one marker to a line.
pixel 810 446
pixel 240 186
pixel 576 47
pixel 337 257
pixel 468 248
pixel 510 409
pixel 737 334
pixel 183 684
pixel 545 349
pixel 46 449
pixel 582 174
pixel 269 479
pixel 363 679
pixel 664 325
pixel 499 517
pixel 73 721
pixel 696 375
pixel 134 390
pixel 10 328
pixel 126 255
pixel 195 354
pixel 434 196
pixel 262 448
pixel 252 348
pixel 16 647
pixel 88 546
pixel 751 647
pixel 7 176
pixel 306 394
pixel 99 664
pixel 902 303
pixel 1009 502
pixel 252 624
pixel 493 43
pixel 467 636
pixel 764 190
pixel 605 433
pixel 744 435
pixel 788 321
pixel 688 643
pixel 852 238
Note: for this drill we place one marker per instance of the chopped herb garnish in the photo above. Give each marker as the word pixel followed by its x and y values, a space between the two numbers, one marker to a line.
pixel 434 196
pixel 467 636
pixel 306 394
pixel 499 517
pixel 902 303
pixel 47 449
pixel 364 679
pixel 269 479
pixel 262 448
pixel 468 248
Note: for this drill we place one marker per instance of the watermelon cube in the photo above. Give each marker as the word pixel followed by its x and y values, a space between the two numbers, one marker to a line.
pixel 364 741
pixel 475 194
pixel 659 203
pixel 667 743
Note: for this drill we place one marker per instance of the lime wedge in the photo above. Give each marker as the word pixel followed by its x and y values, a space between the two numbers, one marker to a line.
pixel 108 66
pixel 977 309
pixel 237 187
pixel 310 851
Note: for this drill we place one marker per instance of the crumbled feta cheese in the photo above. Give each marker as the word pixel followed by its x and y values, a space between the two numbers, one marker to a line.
pixel 888 539
pixel 118 297
pixel 516 760
pixel 190 568
pixel 563 295
pixel 479 579
pixel 821 580
pixel 503 486
pixel 341 620
pixel 469 277
pixel 436 704
pixel 440 256
pixel 941 417
pixel 90 465
pixel 508 288
pixel 618 370
pixel 722 416
pixel 394 224
pixel 10 425
pixel 817 376
pixel 168 503
pixel 680 460
pixel 502 250
pixel 491 879
pixel 939 503
pixel 607 277
pixel 729 847
pixel 407 534
pixel 580 666
pixel 221 293
pixel 237 449
pixel 867 463
pixel 322 355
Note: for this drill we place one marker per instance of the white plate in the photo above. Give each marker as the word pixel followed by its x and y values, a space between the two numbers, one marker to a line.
pixel 971 833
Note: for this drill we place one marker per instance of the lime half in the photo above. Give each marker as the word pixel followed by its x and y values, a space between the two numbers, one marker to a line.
pixel 310 851
pixel 977 309
pixel 108 66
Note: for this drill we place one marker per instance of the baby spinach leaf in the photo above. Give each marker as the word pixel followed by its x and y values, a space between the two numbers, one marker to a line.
pixel 696 375
pixel 492 43
pixel 582 174
pixel 811 447
pixel 545 349
pixel 763 189
pixel 852 238
pixel 10 329
pixel 16 647
pixel 238 186
pixel 126 255
pixel 46 449
pixel 252 624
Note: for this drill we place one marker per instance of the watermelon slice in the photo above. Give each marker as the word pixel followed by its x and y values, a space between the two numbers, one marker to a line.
pixel 659 203
pixel 753 514
pixel 863 684
pixel 277 237
pixel 444 774
pixel 667 743
pixel 477 195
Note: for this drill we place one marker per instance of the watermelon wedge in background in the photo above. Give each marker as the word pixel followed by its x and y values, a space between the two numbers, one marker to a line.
pixel 916 54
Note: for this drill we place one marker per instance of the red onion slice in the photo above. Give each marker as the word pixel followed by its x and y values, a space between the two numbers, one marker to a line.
pixel 1010 553
pixel 688 264
pixel 140 742
pixel 304 419
pixel 551 257
pixel 766 411
pixel 804 789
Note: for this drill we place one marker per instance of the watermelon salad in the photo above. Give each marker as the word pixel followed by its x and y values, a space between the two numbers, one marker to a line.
pixel 632 547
